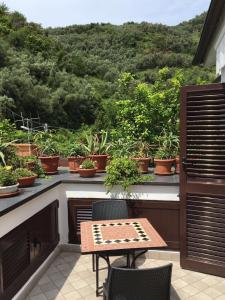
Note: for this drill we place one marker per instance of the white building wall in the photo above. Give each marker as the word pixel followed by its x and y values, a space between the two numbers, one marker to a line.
pixel 216 51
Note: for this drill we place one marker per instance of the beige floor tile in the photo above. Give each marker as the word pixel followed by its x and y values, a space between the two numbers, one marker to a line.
pixel 190 290
pixel 72 296
pixel 70 277
pixel 212 292
pixel 211 280
pixel 179 283
pixel 66 288
pixel 220 287
pixel 222 297
pixel 86 291
pixel 201 296
pixel 200 285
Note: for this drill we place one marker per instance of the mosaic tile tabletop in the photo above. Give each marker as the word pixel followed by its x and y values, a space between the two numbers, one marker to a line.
pixel 97 236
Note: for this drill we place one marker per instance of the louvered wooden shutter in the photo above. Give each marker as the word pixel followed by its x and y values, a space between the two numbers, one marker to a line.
pixel 202 178
pixel 206 134
pixel 80 210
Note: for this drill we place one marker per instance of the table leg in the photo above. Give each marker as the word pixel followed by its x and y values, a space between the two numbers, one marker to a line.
pixel 106 258
pixel 135 257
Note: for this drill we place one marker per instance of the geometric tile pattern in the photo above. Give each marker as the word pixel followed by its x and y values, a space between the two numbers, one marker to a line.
pixel 123 234
pixel 70 277
pixel 138 233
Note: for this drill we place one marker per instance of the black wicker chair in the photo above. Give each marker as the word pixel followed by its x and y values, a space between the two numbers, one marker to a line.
pixel 142 284
pixel 108 210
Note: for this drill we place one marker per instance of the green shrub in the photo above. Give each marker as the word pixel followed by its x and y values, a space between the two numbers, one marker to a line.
pixel 23 172
pixel 122 171
pixel 7 177
pixel 73 150
pixel 87 164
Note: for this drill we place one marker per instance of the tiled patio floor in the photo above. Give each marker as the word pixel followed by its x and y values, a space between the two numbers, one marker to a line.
pixel 70 277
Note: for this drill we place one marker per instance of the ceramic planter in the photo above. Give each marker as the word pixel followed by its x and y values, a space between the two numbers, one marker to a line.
pixel 75 162
pixel 87 173
pixel 143 163
pixel 50 164
pixel 177 165
pixel 26 181
pixel 163 166
pixel 101 161
pixel 26 149
pixel 7 191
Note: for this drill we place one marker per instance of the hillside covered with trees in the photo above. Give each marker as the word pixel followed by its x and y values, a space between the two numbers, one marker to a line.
pixel 98 74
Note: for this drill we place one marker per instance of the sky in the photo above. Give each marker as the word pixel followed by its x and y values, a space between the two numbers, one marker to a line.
pixel 57 13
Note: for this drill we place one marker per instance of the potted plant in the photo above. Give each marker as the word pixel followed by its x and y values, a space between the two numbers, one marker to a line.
pixel 122 171
pixel 24 144
pixel 87 169
pixel 49 152
pixel 8 182
pixel 97 148
pixel 141 155
pixel 25 177
pixel 49 157
pixel 165 155
pixel 75 153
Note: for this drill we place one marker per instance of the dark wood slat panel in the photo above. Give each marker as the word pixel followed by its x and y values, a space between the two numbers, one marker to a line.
pixel 217 236
pixel 200 208
pixel 205 246
pixel 204 242
pixel 212 259
pixel 206 207
pixel 207 217
pixel 204 141
pixel 204 169
pixel 206 95
pixel 209 252
pixel 201 226
pixel 207 101
pixel 212 176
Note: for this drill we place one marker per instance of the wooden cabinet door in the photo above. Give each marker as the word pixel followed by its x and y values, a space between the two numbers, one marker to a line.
pixel 202 178
pixel 24 249
pixel 14 259
pixel 43 230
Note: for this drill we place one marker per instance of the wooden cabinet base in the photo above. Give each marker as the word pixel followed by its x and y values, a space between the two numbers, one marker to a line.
pixel 25 248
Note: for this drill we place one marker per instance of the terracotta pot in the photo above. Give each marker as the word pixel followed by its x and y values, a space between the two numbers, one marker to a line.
pixel 75 162
pixel 50 164
pixel 26 149
pixel 26 181
pixel 163 166
pixel 143 163
pixel 9 189
pixel 63 162
pixel 100 160
pixel 87 172
pixel 177 165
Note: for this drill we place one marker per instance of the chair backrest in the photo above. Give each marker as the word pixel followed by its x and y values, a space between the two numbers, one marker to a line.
pixel 140 284
pixel 109 210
